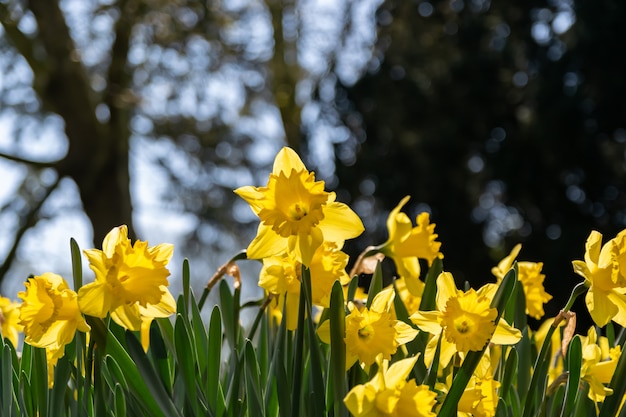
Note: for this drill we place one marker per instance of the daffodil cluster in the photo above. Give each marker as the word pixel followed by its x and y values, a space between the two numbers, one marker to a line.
pixel 130 287
pixel 414 344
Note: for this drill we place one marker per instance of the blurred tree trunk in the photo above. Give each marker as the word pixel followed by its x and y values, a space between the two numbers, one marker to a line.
pixel 97 157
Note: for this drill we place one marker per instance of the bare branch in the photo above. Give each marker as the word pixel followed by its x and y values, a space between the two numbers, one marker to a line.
pixel 34 164
pixel 29 220
pixel 21 42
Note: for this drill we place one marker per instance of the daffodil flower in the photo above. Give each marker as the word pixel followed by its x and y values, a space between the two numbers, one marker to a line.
pixel 388 393
pixel 465 320
pixel 296 214
pixel 9 320
pixel 281 276
pixel 372 332
pixel 49 312
pixel 604 271
pixel 407 244
pixel 529 274
pixel 131 281
pixel 599 363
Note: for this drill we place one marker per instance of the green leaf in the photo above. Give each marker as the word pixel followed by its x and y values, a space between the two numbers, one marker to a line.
pixel 315 362
pixel 510 370
pixel 158 352
pixel 376 285
pixel 254 390
pixel 574 364
pixel 215 396
pixel 186 360
pixel 142 380
pixel 352 287
pixel 77 266
pixel 6 379
pixel 61 378
pixel 199 335
pixel 230 314
pixel 337 367
pixel 39 380
pixel 428 302
pixel 119 401
pixel 186 284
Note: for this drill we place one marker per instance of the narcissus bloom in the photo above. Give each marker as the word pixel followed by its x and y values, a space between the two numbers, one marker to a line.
pixel 49 312
pixel 604 270
pixel 9 320
pixel 465 318
pixel 131 281
pixel 406 244
pixel 599 363
pixel 372 332
pixel 296 214
pixel 389 394
pixel 529 274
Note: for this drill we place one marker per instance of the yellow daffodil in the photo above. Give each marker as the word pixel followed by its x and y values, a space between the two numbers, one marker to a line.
pixel 296 214
pixel 411 299
pixel 131 281
pixel 604 271
pixel 407 244
pixel 327 266
pixel 9 320
pixel 390 394
pixel 599 363
pixel 49 312
pixel 372 332
pixel 529 274
pixel 464 319
pixel 280 276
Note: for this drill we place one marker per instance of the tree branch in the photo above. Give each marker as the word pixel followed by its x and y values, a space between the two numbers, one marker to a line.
pixel 30 219
pixel 34 164
pixel 21 42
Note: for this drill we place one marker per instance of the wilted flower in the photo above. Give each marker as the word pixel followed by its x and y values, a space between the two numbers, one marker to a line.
pixel 49 312
pixel 296 214
pixel 131 281
pixel 9 320
pixel 390 394
pixel 604 270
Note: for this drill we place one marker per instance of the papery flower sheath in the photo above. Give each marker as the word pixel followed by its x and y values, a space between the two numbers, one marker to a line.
pixel 296 214
pixel 131 281
pixel 49 312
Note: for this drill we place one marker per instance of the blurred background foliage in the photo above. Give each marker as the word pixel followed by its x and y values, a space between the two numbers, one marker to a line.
pixel 506 121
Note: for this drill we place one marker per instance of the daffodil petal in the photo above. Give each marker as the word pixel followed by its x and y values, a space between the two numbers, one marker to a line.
pixel 287 160
pixel 340 223
pixel 94 300
pixel 505 334
pixel 266 244
pixel 427 321
pixel 600 308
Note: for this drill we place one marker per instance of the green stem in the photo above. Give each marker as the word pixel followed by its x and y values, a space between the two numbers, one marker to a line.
pixel 545 348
